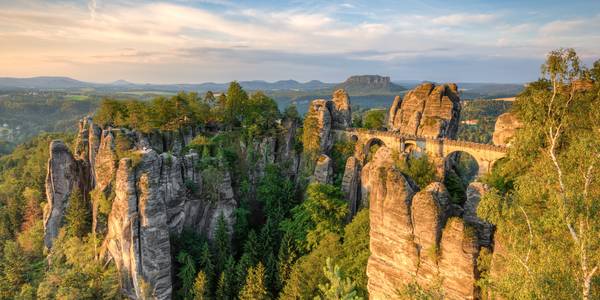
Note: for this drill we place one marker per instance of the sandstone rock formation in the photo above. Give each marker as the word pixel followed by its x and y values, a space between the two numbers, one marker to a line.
pixel 323 170
pixel 428 110
pixel 505 129
pixel 341 111
pixel 144 188
pixel 351 185
pixel 414 237
pixel 322 117
pixel 317 127
pixel 61 177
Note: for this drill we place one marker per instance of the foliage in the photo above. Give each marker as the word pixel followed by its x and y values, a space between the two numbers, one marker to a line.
pixel 254 289
pixel 75 273
pixel 340 153
pixel 186 274
pixel 545 220
pixel 323 212
pixel 200 287
pixel 337 286
pixel 77 215
pixel 355 251
pixel 374 119
pixel 419 168
pixel 484 113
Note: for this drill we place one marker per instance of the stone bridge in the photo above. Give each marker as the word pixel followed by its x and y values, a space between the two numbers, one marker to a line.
pixel 439 150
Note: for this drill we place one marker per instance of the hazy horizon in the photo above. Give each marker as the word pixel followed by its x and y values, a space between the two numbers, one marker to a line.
pixel 194 41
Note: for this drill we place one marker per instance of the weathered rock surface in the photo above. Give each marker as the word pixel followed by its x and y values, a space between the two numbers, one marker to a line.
pixel 413 238
pixel 323 170
pixel 144 188
pixel 320 114
pixel 429 212
pixel 61 177
pixel 458 260
pixel 326 116
pixel 138 233
pixel 484 230
pixel 351 185
pixel 394 258
pixel 505 129
pixel 428 110
pixel 341 111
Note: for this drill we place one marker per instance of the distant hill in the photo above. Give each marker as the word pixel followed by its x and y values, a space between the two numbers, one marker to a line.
pixel 65 83
pixel 46 82
pixel 370 85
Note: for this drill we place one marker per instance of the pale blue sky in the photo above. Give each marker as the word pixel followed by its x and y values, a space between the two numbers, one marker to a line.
pixel 220 40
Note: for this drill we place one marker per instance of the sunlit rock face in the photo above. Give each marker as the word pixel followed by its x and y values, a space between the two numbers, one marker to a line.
pixel 427 110
pixel 415 237
pixel 506 127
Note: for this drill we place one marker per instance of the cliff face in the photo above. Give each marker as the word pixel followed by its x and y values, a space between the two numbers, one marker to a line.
pixel 427 110
pixel 322 117
pixel 505 129
pixel 144 188
pixel 417 237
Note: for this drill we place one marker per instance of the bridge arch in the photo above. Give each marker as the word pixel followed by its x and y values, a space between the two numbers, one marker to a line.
pixel 371 147
pixel 464 164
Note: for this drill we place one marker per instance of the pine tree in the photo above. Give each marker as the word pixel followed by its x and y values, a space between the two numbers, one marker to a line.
pixel 78 214
pixel 200 286
pixel 221 244
pixel 337 287
pixel 285 259
pixel 226 288
pixel 186 274
pixel 254 289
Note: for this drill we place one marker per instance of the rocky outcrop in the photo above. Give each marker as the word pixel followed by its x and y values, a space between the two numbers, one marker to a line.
pixel 138 233
pixel 428 110
pixel 146 187
pixel 394 258
pixel 322 117
pixel 317 136
pixel 506 127
pixel 323 170
pixel 458 260
pixel 414 238
pixel 351 185
pixel 61 178
pixel 483 229
pixel 341 111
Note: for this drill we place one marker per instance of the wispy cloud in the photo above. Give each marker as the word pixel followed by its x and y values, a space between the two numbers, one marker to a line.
pixel 208 35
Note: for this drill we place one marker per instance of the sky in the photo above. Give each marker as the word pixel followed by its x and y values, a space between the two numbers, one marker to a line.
pixel 192 41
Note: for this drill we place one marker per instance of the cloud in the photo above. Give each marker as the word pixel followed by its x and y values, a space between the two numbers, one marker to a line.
pixel 213 34
pixel 92 5
pixel 464 19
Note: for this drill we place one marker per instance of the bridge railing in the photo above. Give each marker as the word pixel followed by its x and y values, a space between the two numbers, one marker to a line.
pixel 446 141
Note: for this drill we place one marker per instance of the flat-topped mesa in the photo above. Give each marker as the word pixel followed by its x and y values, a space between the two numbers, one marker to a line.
pixel 427 110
